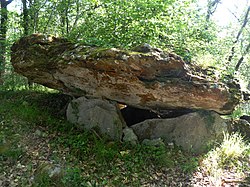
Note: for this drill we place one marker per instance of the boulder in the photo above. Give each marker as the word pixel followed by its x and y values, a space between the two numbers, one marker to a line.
pixel 241 126
pixel 147 78
pixel 99 115
pixel 193 132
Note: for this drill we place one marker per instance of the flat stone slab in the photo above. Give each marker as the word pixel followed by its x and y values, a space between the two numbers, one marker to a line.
pixel 147 78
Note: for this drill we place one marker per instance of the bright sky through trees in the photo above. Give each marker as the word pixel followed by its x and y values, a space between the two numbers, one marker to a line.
pixel 229 11
pixel 225 14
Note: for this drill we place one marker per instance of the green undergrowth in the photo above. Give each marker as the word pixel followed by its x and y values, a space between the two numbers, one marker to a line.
pixel 85 158
pixel 91 160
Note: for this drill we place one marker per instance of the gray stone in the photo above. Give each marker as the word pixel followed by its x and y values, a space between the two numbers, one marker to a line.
pixel 38 132
pixel 129 136
pixel 100 115
pixel 56 171
pixel 50 169
pixel 193 132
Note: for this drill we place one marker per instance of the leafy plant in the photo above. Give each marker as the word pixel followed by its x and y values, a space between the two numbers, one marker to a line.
pixel 73 177
pixel 237 113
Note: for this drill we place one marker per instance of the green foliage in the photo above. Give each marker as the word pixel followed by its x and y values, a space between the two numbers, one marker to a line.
pixel 180 26
pixel 93 161
pixel 43 180
pixel 14 82
pixel 169 24
pixel 237 113
pixel 10 153
pixel 190 164
pixel 73 177
pixel 129 23
pixel 86 151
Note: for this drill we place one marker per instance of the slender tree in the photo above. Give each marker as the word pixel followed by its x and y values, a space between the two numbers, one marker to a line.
pixel 64 14
pixel 245 21
pixel 3 31
pixel 33 14
pixel 25 18
pixel 240 61
pixel 211 8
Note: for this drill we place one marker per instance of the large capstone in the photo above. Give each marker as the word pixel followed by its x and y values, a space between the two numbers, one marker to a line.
pixel 147 78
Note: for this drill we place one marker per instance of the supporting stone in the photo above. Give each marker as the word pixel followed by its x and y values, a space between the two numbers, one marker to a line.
pixel 193 132
pixel 99 115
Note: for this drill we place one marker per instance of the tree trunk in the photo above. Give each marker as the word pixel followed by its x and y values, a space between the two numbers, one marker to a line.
pixel 245 21
pixel 212 6
pixel 34 9
pixel 240 61
pixel 3 32
pixel 64 13
pixel 25 18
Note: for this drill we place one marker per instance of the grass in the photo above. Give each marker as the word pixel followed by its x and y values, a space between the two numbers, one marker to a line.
pixel 233 148
pixel 84 158
pixel 232 155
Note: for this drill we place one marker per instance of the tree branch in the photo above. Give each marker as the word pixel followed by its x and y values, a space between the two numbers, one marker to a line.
pixel 8 2
pixel 238 35
pixel 242 58
pixel 82 13
pixel 212 6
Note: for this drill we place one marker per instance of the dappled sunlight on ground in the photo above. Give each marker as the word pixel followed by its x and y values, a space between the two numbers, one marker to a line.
pixel 39 150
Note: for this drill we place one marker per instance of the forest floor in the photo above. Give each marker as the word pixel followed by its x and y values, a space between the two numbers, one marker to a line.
pixel 39 148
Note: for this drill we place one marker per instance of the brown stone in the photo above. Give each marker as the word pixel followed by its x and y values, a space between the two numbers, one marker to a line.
pixel 150 79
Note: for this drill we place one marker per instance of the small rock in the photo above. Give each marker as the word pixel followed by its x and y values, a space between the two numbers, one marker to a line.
pixel 38 132
pixel 171 145
pixel 145 48
pixel 25 103
pixel 130 136
pixel 55 171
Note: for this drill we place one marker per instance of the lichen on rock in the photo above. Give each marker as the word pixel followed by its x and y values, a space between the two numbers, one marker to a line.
pixel 151 79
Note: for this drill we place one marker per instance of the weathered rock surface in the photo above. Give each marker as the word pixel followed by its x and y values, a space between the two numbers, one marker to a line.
pixel 129 136
pixel 149 79
pixel 100 115
pixel 193 131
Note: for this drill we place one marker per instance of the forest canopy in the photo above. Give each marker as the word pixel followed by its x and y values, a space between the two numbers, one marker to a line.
pixel 185 27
